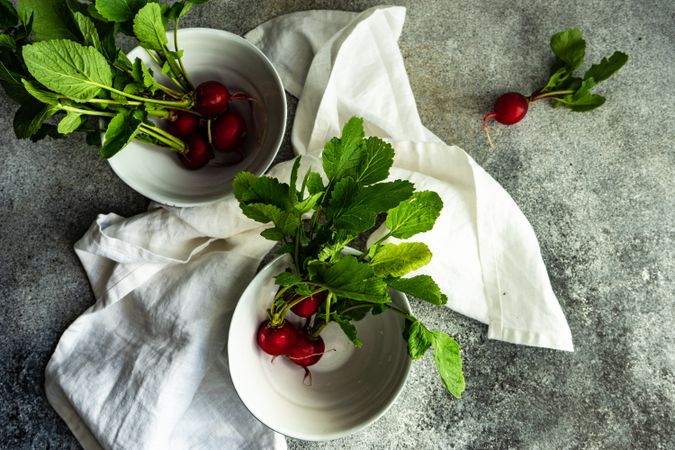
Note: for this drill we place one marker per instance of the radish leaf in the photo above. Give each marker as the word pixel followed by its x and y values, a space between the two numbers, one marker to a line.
pixel 287 279
pixel 51 20
pixel 607 67
pixel 448 362
pixel 585 103
pixel 149 28
pixel 121 130
pixel 273 234
pixel 418 337
pixel 355 208
pixel 8 15
pixel 46 97
pixel 392 260
pixel 342 156
pixel 70 123
pixel 68 68
pixel 29 118
pixel 7 41
pixel 348 328
pixel 376 160
pixel 422 287
pixel 286 222
pixel 87 30
pixel 570 47
pixel 249 189
pixel 119 10
pixel 314 183
pixel 415 215
pixel 350 279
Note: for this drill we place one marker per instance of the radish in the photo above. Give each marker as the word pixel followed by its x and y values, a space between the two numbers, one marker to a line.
pixel 277 340
pixel 510 108
pixel 306 351
pixel 198 154
pixel 182 124
pixel 308 306
pixel 228 132
pixel 211 98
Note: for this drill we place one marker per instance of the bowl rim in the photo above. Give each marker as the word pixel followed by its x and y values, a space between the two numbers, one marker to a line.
pixel 168 201
pixel 267 272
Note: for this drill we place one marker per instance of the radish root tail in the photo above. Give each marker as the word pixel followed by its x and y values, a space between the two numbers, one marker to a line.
pixel 485 129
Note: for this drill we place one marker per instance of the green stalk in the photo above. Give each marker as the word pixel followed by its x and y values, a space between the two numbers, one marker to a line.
pixel 280 315
pixel 278 296
pixel 89 112
pixel 175 105
pixel 164 137
pixel 154 58
pixel 159 63
pixel 297 250
pixel 105 101
pixel 180 60
pixel 161 113
pixel 378 242
pixel 352 308
pixel 175 69
pixel 550 94
pixel 170 92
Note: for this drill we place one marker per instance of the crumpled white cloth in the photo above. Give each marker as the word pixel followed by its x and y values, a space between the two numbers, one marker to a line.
pixel 145 367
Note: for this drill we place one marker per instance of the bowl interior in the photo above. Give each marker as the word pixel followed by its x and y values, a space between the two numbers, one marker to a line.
pixel 211 55
pixel 350 387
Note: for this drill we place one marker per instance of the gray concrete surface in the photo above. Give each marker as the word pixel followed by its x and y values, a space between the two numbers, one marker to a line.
pixel 597 188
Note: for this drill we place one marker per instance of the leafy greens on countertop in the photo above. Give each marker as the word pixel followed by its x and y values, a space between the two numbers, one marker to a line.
pixel 317 221
pixel 59 58
pixel 563 87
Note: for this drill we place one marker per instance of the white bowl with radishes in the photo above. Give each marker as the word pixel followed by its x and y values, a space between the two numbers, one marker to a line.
pixel 256 104
pixel 346 390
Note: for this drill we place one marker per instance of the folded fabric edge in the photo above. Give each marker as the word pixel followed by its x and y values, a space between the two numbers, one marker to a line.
pixel 65 410
pixel 554 341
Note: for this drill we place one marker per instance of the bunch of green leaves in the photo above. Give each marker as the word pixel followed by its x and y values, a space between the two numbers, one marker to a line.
pixel 148 21
pixel 568 90
pixel 59 60
pixel 315 222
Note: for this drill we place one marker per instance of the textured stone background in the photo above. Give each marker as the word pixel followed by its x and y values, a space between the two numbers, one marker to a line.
pixel 597 188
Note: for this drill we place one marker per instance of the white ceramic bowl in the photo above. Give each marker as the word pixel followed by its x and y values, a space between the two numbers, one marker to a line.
pixel 210 55
pixel 350 387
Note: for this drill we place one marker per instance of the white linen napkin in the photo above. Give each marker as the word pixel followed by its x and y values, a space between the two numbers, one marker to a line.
pixel 145 367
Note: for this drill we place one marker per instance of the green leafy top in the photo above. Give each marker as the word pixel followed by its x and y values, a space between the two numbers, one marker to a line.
pixel 316 221
pixel 563 87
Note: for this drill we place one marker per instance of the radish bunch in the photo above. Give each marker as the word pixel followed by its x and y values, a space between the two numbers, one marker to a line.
pixel 318 221
pixel 284 339
pixel 210 125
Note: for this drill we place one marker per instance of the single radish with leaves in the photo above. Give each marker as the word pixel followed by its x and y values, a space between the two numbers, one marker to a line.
pixel 315 218
pixel 562 87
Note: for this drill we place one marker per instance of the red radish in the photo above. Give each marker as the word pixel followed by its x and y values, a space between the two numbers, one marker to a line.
pixel 198 154
pixel 211 98
pixel 228 132
pixel 308 306
pixel 277 340
pixel 182 124
pixel 510 108
pixel 307 351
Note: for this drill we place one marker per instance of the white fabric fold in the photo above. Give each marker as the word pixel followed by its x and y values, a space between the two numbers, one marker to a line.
pixel 145 367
